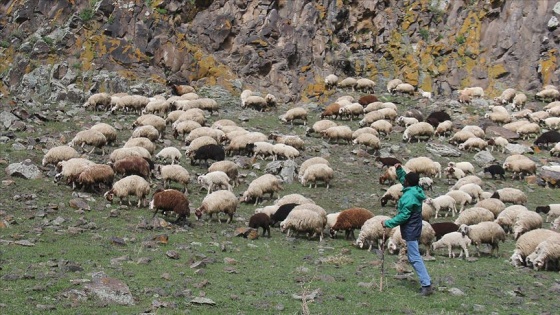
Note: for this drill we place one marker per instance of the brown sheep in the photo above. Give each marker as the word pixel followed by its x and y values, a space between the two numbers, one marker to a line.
pixel 132 165
pixel 97 174
pixel 367 99
pixel 260 220
pixel 171 200
pixel 349 220
pixel 331 110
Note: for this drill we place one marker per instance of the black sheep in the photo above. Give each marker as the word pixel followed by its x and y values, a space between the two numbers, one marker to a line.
pixel 260 220
pixel 282 212
pixel 442 228
pixel 495 170
pixel 387 161
pixel 208 152
pixel 437 117
pixel 542 209
pixel 546 138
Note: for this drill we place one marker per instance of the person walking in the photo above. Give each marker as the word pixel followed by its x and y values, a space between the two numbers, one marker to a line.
pixel 409 217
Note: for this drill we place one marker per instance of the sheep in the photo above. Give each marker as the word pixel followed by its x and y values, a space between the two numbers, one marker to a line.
pixel 526 244
pixel 417 130
pixel 519 101
pixel 499 118
pixel 367 99
pixel 548 251
pixel 141 142
pixel 405 121
pixel 511 195
pixel 228 167
pixel 260 220
pixel 71 169
pixel 426 183
pixel 366 85
pixel 425 94
pixel 268 210
pixel 492 204
pixel 526 221
pixel 219 201
pixel 539 116
pixel 281 150
pixel 332 109
pixel 338 133
pixel 404 88
pixel 171 153
pixel 350 219
pixel 371 117
pixel 291 140
pixel 121 153
pixel 513 126
pixel 548 94
pixel 97 174
pixel 555 151
pixel 147 131
pixel 372 107
pixel 132 165
pixel 475 91
pixel 255 102
pixel 216 134
pixel 207 152
pixel 160 107
pixel 293 114
pixel 264 184
pixel 423 165
pixel 382 126
pixel 199 143
pixel 330 81
pixel 320 126
pixel 387 161
pixel 395 241
pixel 506 96
pixel 473 143
pixel 282 212
pixel 107 130
pixel 392 85
pixel 303 220
pixel 317 172
pixel 442 202
pixel 469 179
pixel 454 172
pixel 372 231
pixel 552 211
pixel 351 110
pixel 466 167
pixel 474 215
pixel 494 170
pixel 175 173
pixel 214 181
pixel 461 198
pixel 460 137
pixel 506 218
pixel 244 95
pixel 129 102
pixel 546 138
pixel 454 240
pixel 389 175
pixel 442 228
pixel 293 198
pixel 132 184
pixel 170 200
pixel 309 162
pixel 181 89
pixel 484 233
pixel 90 137
pixel 58 154
pixel 552 122
pixel 393 193
pixel 437 117
pixel 474 190
pixel 194 114
pixel 498 142
pixel 444 128
pixel 368 140
pixel 348 82
pixel 261 149
pixel 97 100
pixel 239 143
pixel 528 129
pixel 151 120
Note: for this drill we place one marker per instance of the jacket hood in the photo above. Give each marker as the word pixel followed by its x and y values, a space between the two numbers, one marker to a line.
pixel 414 193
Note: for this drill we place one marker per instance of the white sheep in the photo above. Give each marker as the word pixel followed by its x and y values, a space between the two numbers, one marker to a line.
pixel 548 251
pixel 214 181
pixel 260 186
pixel 530 129
pixel 121 153
pixel 526 221
pixel 423 165
pixel 393 193
pixel 499 117
pixel 151 120
pixel 281 150
pixel 97 100
pixel 461 198
pixel 484 233
pixel 511 195
pixel 157 106
pixel 454 172
pixel 262 149
pixel 404 88
pixel 315 173
pixel 303 220
pixel 315 208
pixel 406 121
pixel 513 126
pixel 70 170
pixel 473 143
pixel 474 190
pixel 444 128
pixel 466 167
pixel 269 210
pixel 58 154
pixel 425 94
pixel 90 137
pixel 555 151
pixel 368 140
pixel 293 198
pixel 548 94
pixel 293 114
pixel 475 130
pixel 460 137
pixel 330 81
pixel 506 218
pixel 552 122
pixel 383 127
pixel 351 110
pixel 493 204
pixel 500 142
pixel 309 162
pixel 506 96
pixel 199 142
pixel 216 134
pixel 255 102
pixel 474 215
pixel 338 133
pixel 107 130
pixel 552 211
pixel 219 201
pixel 291 140
pixel 372 232
pixel 527 243
pixel 418 130
pixel 320 126
pixel 244 95
pixel 371 117
pixel 392 85
pixel 365 85
pixel 171 153
pixel 175 173
pixel 228 167
pixel 538 116
pixel 469 179
pixel 129 185
pixel 453 240
pixel 519 101
pixel 443 202
pixel 348 82
pixel 395 242
pixel 129 103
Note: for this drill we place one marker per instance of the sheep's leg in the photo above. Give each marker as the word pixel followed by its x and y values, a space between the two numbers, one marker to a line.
pixel 155 212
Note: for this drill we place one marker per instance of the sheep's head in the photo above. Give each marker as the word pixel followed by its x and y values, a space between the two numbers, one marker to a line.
pixel 332 232
pixel 392 246
pixel 109 195
pixel 464 229
pixel 57 177
pixel 198 213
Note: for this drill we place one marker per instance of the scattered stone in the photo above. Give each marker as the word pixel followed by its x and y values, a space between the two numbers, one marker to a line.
pixel 117 241
pixel 43 307
pixel 172 254
pixel 24 243
pixel 442 150
pixel 79 203
pixel 109 290
pixel 203 300
pixel 483 158
pixel 456 292
pixel 58 221
pixel 308 297
pixel 230 261
pixel 7 182
pixel 144 260
pixel 24 169
pixel 161 238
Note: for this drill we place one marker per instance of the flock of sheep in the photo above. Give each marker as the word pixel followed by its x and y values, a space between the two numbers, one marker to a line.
pixel 482 217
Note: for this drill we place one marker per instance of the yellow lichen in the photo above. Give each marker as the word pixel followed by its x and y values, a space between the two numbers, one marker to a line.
pixel 548 65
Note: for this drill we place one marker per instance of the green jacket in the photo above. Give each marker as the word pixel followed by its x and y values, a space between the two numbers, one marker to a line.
pixel 409 210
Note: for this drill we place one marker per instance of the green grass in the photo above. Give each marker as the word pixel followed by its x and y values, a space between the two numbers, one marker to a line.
pixel 266 272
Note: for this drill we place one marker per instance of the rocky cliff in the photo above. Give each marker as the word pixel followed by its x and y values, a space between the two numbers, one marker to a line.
pixel 53 50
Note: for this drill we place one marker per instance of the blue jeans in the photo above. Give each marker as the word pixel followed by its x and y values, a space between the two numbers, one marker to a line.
pixel 417 263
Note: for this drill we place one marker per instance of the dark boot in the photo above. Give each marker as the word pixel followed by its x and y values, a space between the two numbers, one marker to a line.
pixel 428 290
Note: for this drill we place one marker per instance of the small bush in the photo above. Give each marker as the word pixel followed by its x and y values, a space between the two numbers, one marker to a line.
pixel 4 44
pixel 425 34
pixel 460 39
pixel 86 14
pixel 161 10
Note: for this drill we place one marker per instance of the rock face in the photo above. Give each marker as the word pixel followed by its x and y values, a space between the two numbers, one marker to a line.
pixel 279 46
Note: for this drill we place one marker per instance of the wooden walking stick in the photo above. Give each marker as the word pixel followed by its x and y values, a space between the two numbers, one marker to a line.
pixel 382 261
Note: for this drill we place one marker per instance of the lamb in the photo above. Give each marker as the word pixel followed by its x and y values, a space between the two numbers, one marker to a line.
pixel 303 220
pixel 526 221
pixel 260 220
pixel 175 173
pixel 130 185
pixel 546 252
pixel 417 130
pixel 121 153
pixel 293 114
pixel 406 121
pixel 58 154
pixel 552 211
pixel 264 184
pixel 473 143
pixel 171 153
pixel 214 181
pixel 97 174
pixel 506 96
pixel 97 100
pixel 423 165
pixel 484 233
pixel 364 84
pixel 368 140
pixel 291 140
pixel 528 129
pixel 442 228
pixel 393 193
pixel 442 202
pixel 454 172
pixel 498 142
pixel 71 169
pixel 392 85
pixel 506 218
pixel 349 220
pixel 147 131
pixel 492 204
pixel 107 130
pixel 330 81
pixel 170 200
pixel 219 201
pixel 546 138
pixel 320 126
pixel 511 195
pixel 461 198
pixel 348 82
pixel 426 238
pixel 425 94
pixel 474 190
pixel 317 172
pixel 228 167
pixel 494 170
pixel 474 215
pixel 444 128
pixel 527 243
pixel 382 126
pixel 338 133
pixel 454 240
pixel 90 137
pixel 372 231
pixel 207 152
pixel 519 101
pixel 309 162
pixel 332 109
pixel 404 88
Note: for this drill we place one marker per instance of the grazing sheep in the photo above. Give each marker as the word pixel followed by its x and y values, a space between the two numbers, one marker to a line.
pixel 350 219
pixel 392 85
pixel 293 198
pixel 291 140
pixel 228 167
pixel 175 173
pixel 393 193
pixel 372 232
pixel 132 165
pixel 365 85
pixel 160 107
pixel 527 243
pixel 216 134
pixel 107 130
pixel 546 138
pixel 552 211
pixel 303 220
pixel 454 172
pixel 260 186
pixel 442 202
pixel 467 180
pixel 506 96
pixel 331 110
pixel 426 183
pixel 498 142
pixel 406 121
pixel 90 137
pixel 395 241
pixel 98 101
pixel 97 174
pixel 311 161
pixel 260 220
pixel 461 198
pixel 423 165
pixel 435 118
pixel 351 110
pixel 58 154
pixel 282 212
pixel 444 128
pixel 526 221
pixel 383 127
pixel 130 185
pixel 330 81
pixel 511 195
pixel 141 142
pixel 548 94
pixel 442 228
pixel 425 94
pixel 121 153
pixel 495 170
pixel 546 253
pixel 474 190
pixel 473 143
pixel 268 210
pixel 219 201
pixel 484 233
pixel 507 217
pixel 371 117
pixel 474 215
pixel 170 200
pixel 129 103
pixel 214 181
pixel 367 99
pixel 492 204
pixel 207 152
pixel 387 161
pixel 151 120
pixel 181 89
pixel 255 102
pixel 147 131
pixel 519 101
pixel 319 126
pixel 261 149
pixel 337 133
pixel 415 131
pixel 404 88
pixel 555 151
pixel 454 240
pixel 315 173
pixel 368 140
pixel 528 129
pixel 461 137
pixel 348 82
pixel 281 150
pixel 239 143
pixel 293 114
pixel 71 169
pixel 171 153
